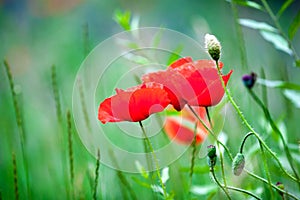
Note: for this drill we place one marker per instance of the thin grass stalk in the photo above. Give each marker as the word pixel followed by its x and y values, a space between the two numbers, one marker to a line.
pixel 70 150
pixel 61 137
pixel 193 157
pixel 83 105
pixel 56 93
pixel 122 178
pixel 15 175
pixel 96 175
pixel 86 39
pixel 20 124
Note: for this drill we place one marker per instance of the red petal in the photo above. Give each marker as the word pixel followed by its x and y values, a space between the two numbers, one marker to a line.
pixel 147 101
pixel 134 104
pixel 181 133
pixel 180 62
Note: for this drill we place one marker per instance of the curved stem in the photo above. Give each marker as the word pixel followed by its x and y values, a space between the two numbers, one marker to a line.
pixel 155 160
pixel 276 129
pixel 239 112
pixel 244 140
pixel 218 183
pixel 243 191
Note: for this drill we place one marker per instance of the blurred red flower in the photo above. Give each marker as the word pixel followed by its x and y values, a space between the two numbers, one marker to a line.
pixel 191 82
pixel 134 104
pixel 180 126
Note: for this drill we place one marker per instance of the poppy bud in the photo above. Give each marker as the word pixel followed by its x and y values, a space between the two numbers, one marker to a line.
pixel 249 80
pixel 212 157
pixel 281 186
pixel 213 46
pixel 238 164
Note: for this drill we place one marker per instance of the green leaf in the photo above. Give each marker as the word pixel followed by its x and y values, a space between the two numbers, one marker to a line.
pixel 277 40
pixel 284 7
pixel 278 84
pixel 175 54
pixel 123 19
pixel 293 96
pixel 294 26
pixel 250 4
pixel 257 25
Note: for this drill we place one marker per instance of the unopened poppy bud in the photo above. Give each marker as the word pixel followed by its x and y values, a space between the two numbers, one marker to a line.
pixel 212 156
pixel 213 46
pixel 249 80
pixel 238 164
pixel 280 185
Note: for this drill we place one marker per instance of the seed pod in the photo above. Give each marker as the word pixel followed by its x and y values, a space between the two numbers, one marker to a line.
pixel 238 164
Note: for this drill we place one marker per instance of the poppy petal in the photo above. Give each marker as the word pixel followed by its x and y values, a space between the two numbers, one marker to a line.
pixel 181 61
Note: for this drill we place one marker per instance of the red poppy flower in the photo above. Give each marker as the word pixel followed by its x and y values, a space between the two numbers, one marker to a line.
pixel 134 104
pixel 179 126
pixel 195 83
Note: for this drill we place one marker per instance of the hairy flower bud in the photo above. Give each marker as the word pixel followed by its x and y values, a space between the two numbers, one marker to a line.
pixel 238 164
pixel 213 46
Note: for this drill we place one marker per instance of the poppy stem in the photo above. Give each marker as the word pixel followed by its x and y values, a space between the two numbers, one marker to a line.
pixel 276 130
pixel 218 145
pixel 274 186
pixel 218 183
pixel 241 115
pixel 208 116
pixel 155 160
pixel 210 131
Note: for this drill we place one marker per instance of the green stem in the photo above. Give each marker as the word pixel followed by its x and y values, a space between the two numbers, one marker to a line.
pixel 266 169
pixel 274 186
pixel 210 131
pixel 274 18
pixel 243 191
pixel 239 112
pixel 276 129
pixel 218 145
pixel 244 140
pixel 208 116
pixel 155 160
pixel 218 183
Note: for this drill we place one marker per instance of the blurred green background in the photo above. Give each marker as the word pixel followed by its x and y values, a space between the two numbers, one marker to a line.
pixel 35 35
